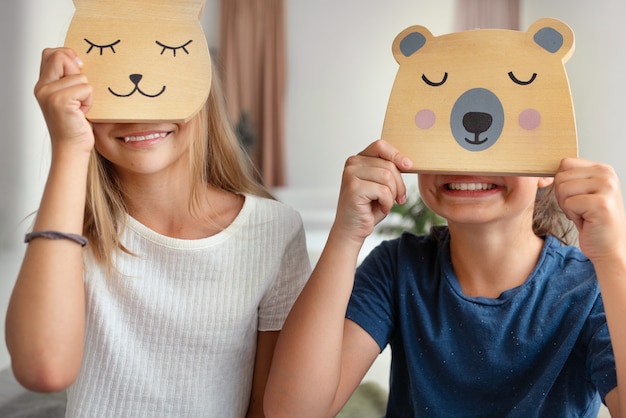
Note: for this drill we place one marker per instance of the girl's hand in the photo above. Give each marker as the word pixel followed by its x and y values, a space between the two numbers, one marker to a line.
pixel 370 184
pixel 64 96
pixel 590 195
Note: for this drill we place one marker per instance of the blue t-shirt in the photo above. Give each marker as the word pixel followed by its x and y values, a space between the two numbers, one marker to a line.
pixel 540 349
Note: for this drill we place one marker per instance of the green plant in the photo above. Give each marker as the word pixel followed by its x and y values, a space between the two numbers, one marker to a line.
pixel 414 216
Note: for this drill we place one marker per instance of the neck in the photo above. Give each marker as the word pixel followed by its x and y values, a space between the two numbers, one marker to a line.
pixel 488 261
pixel 165 207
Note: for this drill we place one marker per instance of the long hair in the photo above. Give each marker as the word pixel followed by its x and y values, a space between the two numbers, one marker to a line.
pixel 548 218
pixel 216 159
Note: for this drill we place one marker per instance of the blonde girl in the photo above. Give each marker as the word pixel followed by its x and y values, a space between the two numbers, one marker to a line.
pixel 158 272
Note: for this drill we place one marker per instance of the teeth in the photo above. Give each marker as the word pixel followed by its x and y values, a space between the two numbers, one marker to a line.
pixel 145 137
pixel 471 186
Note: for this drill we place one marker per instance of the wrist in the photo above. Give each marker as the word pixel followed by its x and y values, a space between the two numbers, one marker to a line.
pixel 81 142
pixel 610 266
pixel 344 242
pixel 74 155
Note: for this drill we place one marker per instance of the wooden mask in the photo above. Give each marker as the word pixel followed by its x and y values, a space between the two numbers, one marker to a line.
pixel 485 101
pixel 148 60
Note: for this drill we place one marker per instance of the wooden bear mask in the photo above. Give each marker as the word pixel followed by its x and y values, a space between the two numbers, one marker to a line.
pixel 485 101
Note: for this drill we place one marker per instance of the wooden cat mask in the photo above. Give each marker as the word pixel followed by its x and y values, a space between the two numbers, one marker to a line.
pixel 147 60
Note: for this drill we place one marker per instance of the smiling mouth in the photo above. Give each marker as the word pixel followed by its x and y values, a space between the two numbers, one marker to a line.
pixel 138 138
pixel 470 186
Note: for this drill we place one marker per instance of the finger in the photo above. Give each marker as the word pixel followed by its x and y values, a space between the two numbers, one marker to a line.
pixel 587 178
pixel 70 92
pixel 566 188
pixel 570 163
pixel 380 171
pixel 365 203
pixel 573 208
pixel 57 63
pixel 589 192
pixel 383 185
pixel 572 168
pixel 382 149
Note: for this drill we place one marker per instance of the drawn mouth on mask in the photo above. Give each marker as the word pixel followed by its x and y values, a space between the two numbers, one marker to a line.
pixel 137 90
pixel 136 78
pixel 476 140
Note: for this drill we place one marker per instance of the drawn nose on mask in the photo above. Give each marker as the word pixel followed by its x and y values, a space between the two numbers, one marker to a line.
pixel 135 78
pixel 476 123
pixel 477 119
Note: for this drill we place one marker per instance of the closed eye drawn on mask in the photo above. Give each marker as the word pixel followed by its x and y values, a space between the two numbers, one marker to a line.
pixel 174 48
pixel 522 82
pixel 101 47
pixel 435 83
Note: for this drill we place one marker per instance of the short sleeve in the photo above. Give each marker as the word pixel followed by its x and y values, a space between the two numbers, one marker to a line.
pixel 371 302
pixel 600 357
pixel 293 272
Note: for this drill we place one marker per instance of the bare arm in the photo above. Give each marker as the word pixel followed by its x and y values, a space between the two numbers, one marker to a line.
pixel 45 318
pixel 590 195
pixel 612 278
pixel 320 356
pixel 266 342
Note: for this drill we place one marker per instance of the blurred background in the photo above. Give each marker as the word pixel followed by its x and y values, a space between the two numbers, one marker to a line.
pixel 338 75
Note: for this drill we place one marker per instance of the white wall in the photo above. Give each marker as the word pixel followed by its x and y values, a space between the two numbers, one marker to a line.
pixel 27 27
pixel 340 73
pixel 596 72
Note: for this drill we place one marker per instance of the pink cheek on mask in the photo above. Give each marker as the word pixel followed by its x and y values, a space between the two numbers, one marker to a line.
pixel 529 119
pixel 424 119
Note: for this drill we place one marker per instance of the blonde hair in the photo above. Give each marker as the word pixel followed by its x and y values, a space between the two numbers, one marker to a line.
pixel 216 159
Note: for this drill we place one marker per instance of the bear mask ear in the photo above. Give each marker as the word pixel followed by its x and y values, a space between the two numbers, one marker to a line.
pixel 554 36
pixel 409 41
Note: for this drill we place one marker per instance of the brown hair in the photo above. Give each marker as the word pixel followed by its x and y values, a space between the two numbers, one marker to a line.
pixel 548 218
pixel 216 159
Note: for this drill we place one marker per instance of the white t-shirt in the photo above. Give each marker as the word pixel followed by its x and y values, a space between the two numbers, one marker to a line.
pixel 175 334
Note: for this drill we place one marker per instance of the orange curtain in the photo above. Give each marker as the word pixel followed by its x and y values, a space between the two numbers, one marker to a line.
pixel 253 67
pixel 485 14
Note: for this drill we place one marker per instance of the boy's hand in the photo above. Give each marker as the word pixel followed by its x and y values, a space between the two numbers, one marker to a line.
pixel 590 195
pixel 371 183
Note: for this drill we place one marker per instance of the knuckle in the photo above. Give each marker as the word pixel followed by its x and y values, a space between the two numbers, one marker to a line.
pixel 387 176
pixel 46 52
pixel 56 100
pixel 41 92
pixel 52 54
pixel 351 160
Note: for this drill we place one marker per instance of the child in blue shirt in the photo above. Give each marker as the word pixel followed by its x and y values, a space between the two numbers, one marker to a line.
pixel 488 316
